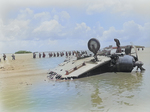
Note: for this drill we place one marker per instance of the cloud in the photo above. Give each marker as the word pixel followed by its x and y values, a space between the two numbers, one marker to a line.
pixel 43 16
pixel 30 25
pixel 123 7
pixel 51 29
pixel 98 6
pixel 64 15
pixel 48 26
pixel 131 32
pixel 83 27
pixel 6 6
pixel 32 45
pixel 146 31
pixel 27 11
pixel 81 31
pixel 15 29
pixel 1 30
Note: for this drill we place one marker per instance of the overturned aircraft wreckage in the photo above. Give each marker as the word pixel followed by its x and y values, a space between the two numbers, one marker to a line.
pixel 75 67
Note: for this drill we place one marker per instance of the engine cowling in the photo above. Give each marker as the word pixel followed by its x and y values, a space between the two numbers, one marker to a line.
pixel 125 63
pixel 122 63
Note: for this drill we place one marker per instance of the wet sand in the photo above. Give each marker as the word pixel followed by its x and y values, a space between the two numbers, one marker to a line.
pixel 25 87
pixel 23 65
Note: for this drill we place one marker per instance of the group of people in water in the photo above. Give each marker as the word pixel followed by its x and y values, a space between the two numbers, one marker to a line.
pixel 4 57
pixel 58 54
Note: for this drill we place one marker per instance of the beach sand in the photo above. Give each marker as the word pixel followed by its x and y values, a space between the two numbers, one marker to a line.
pixel 24 87
pixel 24 65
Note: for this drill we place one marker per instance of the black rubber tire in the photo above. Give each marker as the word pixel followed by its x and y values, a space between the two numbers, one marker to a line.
pixel 97 42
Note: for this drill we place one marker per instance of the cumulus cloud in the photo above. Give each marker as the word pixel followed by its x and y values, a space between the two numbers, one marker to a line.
pixel 28 28
pixel 15 29
pixel 48 26
pixel 25 14
pixel 35 24
pixel 98 6
pixel 124 7
pixel 82 31
pixel 49 29
pixel 131 32
pixel 83 27
pixel 146 31
pixel 43 16
pixel 28 24
pixel 64 15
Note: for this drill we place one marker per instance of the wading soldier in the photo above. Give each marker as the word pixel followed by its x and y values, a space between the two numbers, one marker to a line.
pixel 4 57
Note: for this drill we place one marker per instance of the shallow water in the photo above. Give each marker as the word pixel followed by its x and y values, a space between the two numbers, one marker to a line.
pixel 109 92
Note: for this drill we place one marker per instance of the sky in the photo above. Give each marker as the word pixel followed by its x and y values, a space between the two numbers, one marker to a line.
pixel 56 25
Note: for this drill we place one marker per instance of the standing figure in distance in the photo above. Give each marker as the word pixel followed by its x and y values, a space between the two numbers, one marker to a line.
pixel 34 55
pixel 43 55
pixel 39 55
pixel 4 57
pixel 13 57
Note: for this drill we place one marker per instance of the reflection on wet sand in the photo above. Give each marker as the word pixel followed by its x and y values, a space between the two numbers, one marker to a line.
pixel 96 100
pixel 104 92
pixel 113 89
pixel 15 92
pixel 17 77
pixel 26 88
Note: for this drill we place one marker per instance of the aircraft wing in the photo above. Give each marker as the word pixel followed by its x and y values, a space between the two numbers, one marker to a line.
pixel 130 45
pixel 139 46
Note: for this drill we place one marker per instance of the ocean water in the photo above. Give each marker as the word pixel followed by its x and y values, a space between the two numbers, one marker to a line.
pixel 108 92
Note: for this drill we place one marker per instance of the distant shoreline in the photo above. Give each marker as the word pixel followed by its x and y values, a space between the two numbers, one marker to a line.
pixel 22 52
